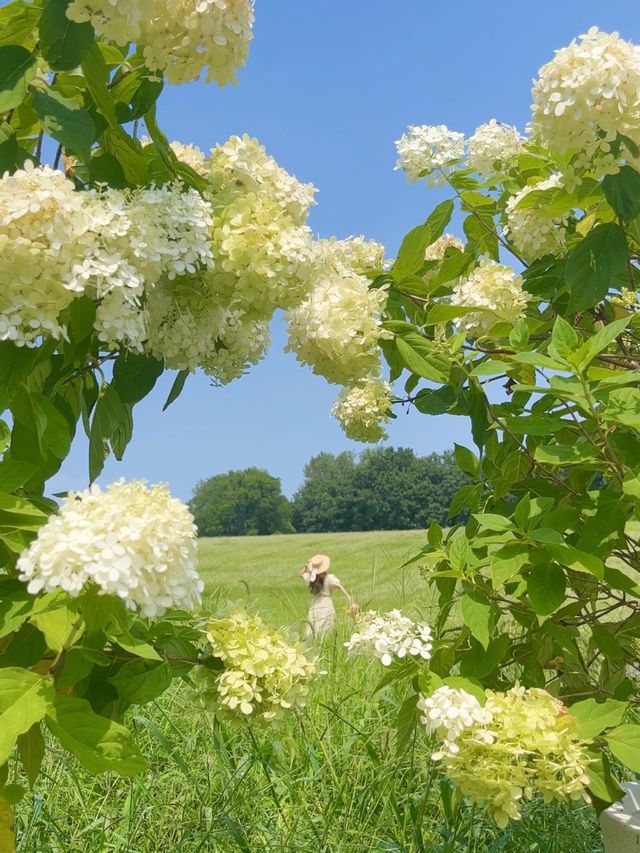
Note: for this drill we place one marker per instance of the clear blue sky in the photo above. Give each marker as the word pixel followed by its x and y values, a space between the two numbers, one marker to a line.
pixel 329 86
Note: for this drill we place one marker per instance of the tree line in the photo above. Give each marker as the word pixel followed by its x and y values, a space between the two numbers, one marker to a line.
pixel 380 489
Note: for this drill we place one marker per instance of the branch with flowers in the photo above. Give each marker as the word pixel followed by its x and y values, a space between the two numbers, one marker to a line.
pixel 538 592
pixel 123 256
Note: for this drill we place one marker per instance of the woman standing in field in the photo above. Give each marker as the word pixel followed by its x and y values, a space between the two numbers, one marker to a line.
pixel 322 615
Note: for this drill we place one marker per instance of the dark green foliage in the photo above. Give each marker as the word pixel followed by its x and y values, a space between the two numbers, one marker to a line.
pixel 386 489
pixel 241 503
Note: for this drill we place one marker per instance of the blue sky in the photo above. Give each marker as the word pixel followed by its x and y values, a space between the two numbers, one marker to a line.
pixel 329 86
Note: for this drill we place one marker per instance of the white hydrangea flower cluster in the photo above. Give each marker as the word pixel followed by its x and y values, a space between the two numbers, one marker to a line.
pixel 363 409
pixel 447 712
pixel 130 540
pixel 264 250
pixel 121 322
pixel 181 39
pixel 429 149
pixel 345 257
pixel 586 96
pixel 493 148
pixel 389 635
pixel 436 251
pixel 495 291
pixel 41 221
pixel 520 743
pixel 530 230
pixel 57 244
pixel 191 279
pixel 134 237
pixel 336 329
pixel 191 155
pixel 264 675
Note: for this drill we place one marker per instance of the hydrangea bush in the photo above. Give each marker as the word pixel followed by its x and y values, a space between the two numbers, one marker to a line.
pixel 121 256
pixel 527 323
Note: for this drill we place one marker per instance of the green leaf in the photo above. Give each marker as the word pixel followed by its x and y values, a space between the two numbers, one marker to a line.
pixel 161 142
pixel 492 521
pixel 564 340
pixel 17 69
pixel 594 263
pixel 15 606
pixel 434 534
pixel 57 626
pixel 469 496
pixel 105 169
pixel 412 250
pixel 25 698
pixel 607 643
pixel 15 365
pixel 19 21
pixel 519 335
pixel 134 376
pixel 140 681
pixel 443 313
pixel 128 154
pixel 624 743
pixel 565 454
pixel 427 366
pixel 622 191
pixel 31 752
pixel 176 388
pixel 96 74
pixel 600 341
pixel 546 586
pixel 623 406
pixel 577 560
pixel 466 460
pixel 507 562
pixel 64 120
pixel 458 549
pixel 602 785
pixel 631 485
pixel 478 412
pixel 476 614
pixel 99 744
pixel 8 148
pixel 63 42
pixel 406 724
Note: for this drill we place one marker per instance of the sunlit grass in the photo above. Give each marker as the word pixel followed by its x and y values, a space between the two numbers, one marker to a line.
pixel 328 780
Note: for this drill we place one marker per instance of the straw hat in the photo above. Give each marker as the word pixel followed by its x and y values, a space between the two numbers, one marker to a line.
pixel 317 565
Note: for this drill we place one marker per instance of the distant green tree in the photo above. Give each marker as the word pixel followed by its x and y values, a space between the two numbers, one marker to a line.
pixel 325 501
pixel 385 489
pixel 241 503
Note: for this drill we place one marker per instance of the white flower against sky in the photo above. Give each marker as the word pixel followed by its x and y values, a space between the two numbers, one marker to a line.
pixel 493 148
pixel 182 38
pixel 430 149
pixel 363 409
pixel 587 95
pixel 336 329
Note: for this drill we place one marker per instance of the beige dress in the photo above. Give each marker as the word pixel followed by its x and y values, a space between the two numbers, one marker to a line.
pixel 322 615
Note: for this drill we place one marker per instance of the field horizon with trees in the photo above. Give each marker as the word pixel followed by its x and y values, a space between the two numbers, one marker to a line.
pixel 383 488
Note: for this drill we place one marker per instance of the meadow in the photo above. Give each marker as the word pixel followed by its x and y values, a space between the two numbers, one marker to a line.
pixel 327 780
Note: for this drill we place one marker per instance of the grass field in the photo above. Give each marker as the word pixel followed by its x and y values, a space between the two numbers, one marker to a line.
pixel 329 780
pixel 263 570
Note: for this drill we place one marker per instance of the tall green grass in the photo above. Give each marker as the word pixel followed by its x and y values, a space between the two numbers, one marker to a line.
pixel 327 780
